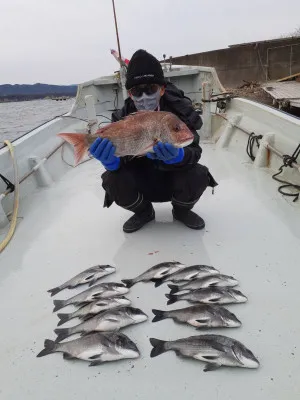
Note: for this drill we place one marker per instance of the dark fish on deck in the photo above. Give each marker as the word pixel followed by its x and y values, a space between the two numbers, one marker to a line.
pixel 154 273
pixel 200 316
pixel 214 350
pixel 211 295
pixel 188 274
pixel 111 320
pixel 102 290
pixel 135 135
pixel 95 347
pixel 93 308
pixel 208 281
pixel 90 275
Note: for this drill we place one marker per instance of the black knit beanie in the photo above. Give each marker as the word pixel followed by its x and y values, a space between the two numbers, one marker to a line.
pixel 143 68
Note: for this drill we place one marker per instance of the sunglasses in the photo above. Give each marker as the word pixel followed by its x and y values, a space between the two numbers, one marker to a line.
pixel 137 91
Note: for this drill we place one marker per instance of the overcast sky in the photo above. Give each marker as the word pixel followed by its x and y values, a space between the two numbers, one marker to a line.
pixel 69 41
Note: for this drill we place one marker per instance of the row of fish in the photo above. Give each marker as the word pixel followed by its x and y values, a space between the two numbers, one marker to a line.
pixel 214 350
pixel 104 310
pixel 208 288
pixel 197 283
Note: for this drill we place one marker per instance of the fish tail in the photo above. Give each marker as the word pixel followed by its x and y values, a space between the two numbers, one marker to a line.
pixel 172 298
pixel 50 347
pixel 128 282
pixel 158 347
pixel 58 304
pixel 62 333
pixel 63 318
pixel 159 315
pixel 158 282
pixel 80 143
pixel 174 288
pixel 54 291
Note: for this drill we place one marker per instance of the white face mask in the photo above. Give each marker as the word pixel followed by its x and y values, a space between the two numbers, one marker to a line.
pixel 147 102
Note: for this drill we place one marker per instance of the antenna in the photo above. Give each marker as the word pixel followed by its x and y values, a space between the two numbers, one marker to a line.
pixel 117 32
pixel 122 64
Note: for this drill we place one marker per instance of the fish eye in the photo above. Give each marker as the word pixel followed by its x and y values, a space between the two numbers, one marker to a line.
pixel 177 128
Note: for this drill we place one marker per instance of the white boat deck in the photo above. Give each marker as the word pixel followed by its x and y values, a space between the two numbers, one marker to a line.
pixel 65 230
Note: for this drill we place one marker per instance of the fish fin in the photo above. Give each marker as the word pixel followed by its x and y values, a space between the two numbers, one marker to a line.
pixel 54 291
pixel 101 302
pixel 67 356
pixel 159 315
pixel 165 271
pixel 63 318
pixel 80 143
pixel 174 288
pixel 111 319
pixel 202 320
pixel 58 304
pixel 172 298
pixel 158 282
pixel 158 347
pixel 97 296
pixel 62 333
pixel 87 316
pixel 94 363
pixel 211 367
pixel 214 300
pixel 95 356
pixel 49 348
pixel 128 282
pixel 93 281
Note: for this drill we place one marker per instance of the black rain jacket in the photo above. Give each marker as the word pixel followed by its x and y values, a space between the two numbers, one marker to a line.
pixel 176 102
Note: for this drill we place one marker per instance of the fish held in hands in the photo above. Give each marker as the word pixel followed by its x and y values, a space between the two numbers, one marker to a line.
pixel 134 135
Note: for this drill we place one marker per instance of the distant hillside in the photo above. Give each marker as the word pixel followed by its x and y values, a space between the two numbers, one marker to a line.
pixel 38 90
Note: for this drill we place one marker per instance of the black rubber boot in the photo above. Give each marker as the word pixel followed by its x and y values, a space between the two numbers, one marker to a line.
pixel 188 218
pixel 141 217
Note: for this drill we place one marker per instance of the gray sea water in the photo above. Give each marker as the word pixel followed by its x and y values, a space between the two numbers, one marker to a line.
pixel 17 118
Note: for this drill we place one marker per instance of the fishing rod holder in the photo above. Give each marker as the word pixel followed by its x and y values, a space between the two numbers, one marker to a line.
pixel 41 173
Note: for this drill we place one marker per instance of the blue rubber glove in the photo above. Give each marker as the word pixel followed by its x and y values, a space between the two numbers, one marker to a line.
pixel 104 151
pixel 167 153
